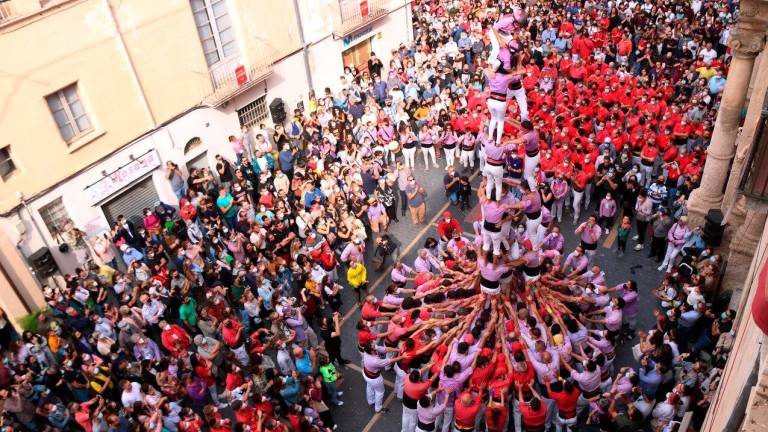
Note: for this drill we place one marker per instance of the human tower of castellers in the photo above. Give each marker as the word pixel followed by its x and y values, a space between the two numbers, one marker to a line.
pixel 504 332
pixel 224 313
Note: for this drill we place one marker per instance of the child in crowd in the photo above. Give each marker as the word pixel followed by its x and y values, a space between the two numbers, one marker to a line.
pixel 623 234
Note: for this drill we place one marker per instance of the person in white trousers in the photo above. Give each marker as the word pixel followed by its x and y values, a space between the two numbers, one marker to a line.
pixel 516 89
pixel 373 366
pixel 530 140
pixel 427 140
pixel 676 238
pixel 498 84
pixel 493 171
pixel 493 219
pixel 409 140
pixel 467 146
pixel 498 110
pixel 450 140
pixel 560 190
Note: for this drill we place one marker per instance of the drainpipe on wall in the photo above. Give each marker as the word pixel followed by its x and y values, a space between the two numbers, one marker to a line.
pixel 127 53
pixel 304 49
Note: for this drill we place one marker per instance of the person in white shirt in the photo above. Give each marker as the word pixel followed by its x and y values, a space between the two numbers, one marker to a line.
pixel 694 295
pixel 664 412
pixel 708 53
pixel 397 95
pixel 131 393
pixel 696 6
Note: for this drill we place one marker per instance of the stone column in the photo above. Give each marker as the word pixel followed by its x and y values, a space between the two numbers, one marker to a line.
pixel 746 41
pixel 747 136
pixel 742 248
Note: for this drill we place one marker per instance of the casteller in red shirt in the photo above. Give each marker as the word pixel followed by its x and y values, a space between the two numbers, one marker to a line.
pixel 364 336
pixel 496 417
pixel 534 414
pixel 465 409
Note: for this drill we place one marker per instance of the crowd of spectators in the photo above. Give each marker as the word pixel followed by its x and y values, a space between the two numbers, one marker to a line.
pixel 223 313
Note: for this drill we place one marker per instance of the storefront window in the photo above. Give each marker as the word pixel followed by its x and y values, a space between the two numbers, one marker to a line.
pixel 358 55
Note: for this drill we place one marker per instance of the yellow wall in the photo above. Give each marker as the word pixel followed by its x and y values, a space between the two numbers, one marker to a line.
pixel 163 42
pixel 266 28
pixel 74 44
pixel 79 42
pixel 19 292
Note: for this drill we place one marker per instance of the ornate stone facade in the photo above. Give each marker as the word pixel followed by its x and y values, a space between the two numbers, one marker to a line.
pixel 747 40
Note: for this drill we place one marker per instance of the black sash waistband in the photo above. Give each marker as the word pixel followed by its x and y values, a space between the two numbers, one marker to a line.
pixel 426 426
pixel 490 226
pixel 532 271
pixel 371 375
pixel 498 96
pixel 494 162
pixel 532 153
pixel 488 283
pixel 534 215
pixel 588 246
pixel 409 402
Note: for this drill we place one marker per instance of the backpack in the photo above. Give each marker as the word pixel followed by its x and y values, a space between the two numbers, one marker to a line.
pixel 295 128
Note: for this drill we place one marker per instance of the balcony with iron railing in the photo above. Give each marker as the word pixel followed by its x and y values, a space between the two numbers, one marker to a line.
pixel 356 14
pixel 233 76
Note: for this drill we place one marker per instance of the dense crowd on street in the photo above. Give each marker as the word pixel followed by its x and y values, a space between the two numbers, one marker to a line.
pixel 223 312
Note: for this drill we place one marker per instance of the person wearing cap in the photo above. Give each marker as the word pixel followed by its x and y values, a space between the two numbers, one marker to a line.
pixel 377 215
pixel 145 348
pixel 130 254
pixel 447 226
pixel 353 252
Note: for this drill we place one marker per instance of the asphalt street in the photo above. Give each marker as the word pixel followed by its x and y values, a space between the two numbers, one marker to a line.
pixel 355 414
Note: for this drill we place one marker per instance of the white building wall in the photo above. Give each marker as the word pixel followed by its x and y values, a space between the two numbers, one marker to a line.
pixel 212 126
pixel 75 199
pixel 288 82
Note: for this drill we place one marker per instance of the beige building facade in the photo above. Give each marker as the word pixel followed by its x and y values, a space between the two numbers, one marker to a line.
pixel 90 121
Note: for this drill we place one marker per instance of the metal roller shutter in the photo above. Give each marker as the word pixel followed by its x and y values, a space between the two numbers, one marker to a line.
pixel 131 202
